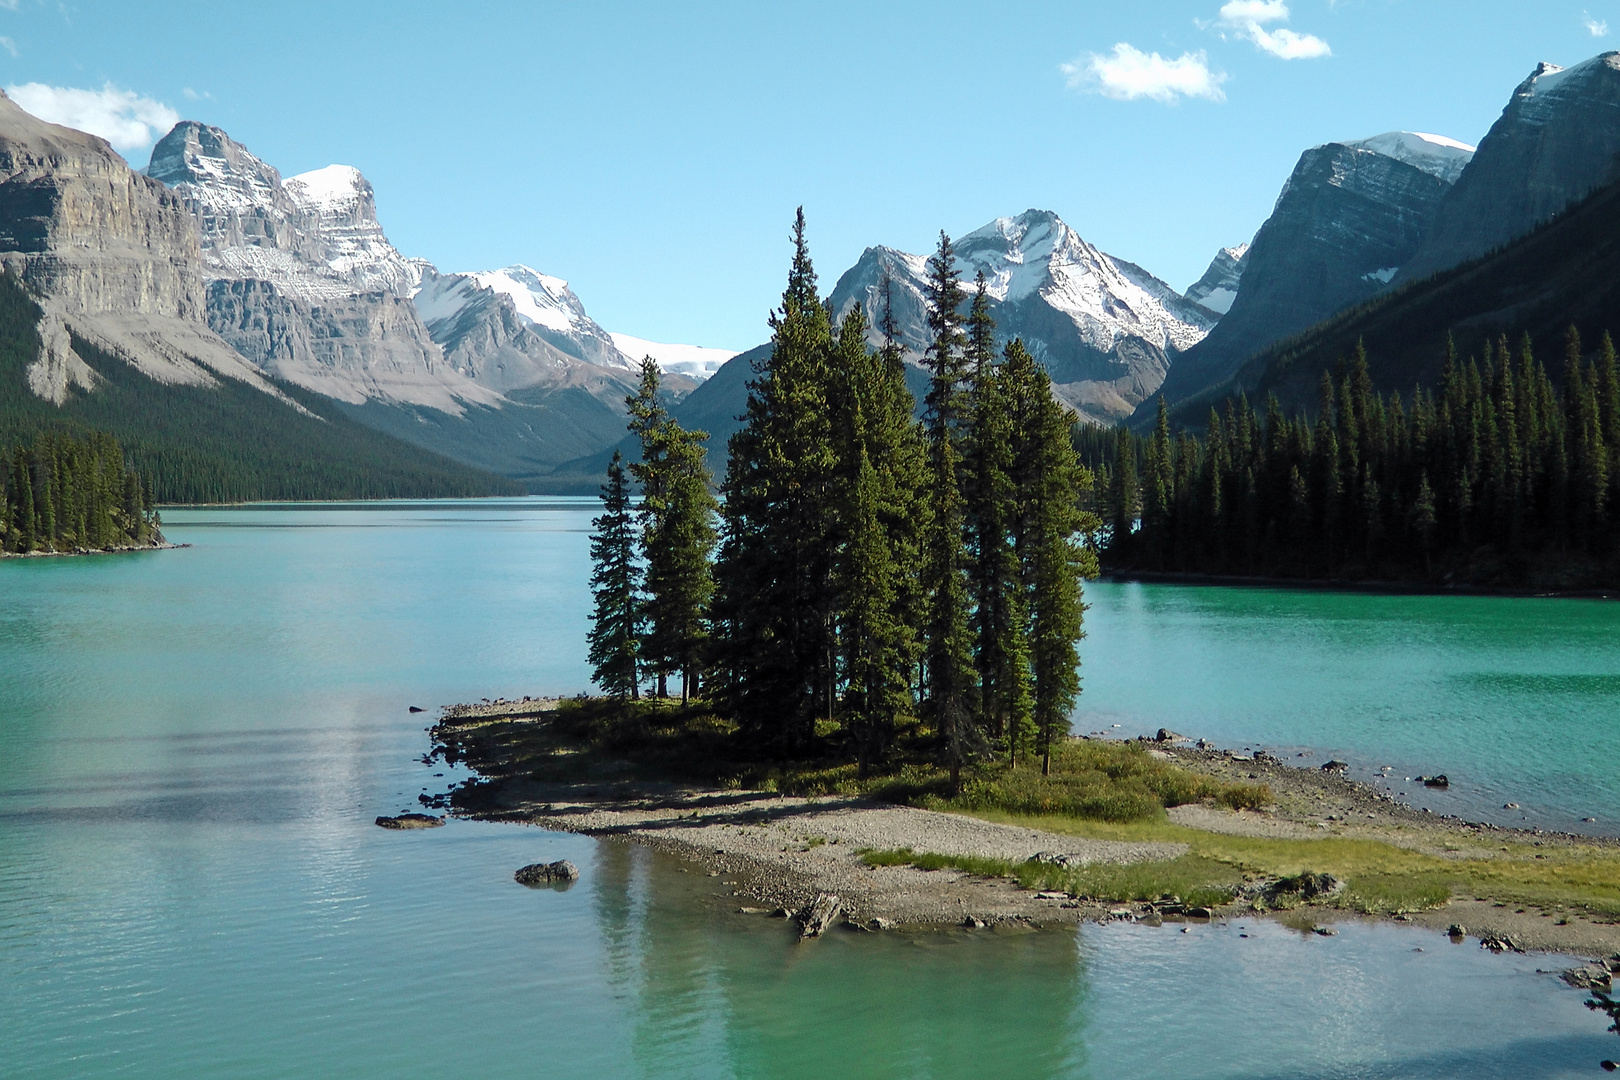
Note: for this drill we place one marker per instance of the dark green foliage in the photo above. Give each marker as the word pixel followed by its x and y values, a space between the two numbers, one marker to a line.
pixel 677 536
pixel 228 443
pixel 1494 478
pixel 775 668
pixel 615 637
pixel 63 494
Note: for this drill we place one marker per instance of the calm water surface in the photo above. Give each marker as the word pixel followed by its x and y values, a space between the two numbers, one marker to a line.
pixel 190 885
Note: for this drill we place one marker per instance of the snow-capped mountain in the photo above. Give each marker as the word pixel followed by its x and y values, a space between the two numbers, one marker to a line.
pixel 516 329
pixel 1218 287
pixel 1105 329
pixel 696 362
pixel 301 279
pixel 1348 218
pixel 1556 140
pixel 314 236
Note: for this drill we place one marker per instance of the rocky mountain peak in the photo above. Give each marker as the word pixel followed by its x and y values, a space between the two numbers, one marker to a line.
pixel 1557 139
pixel 1218 287
pixel 1104 328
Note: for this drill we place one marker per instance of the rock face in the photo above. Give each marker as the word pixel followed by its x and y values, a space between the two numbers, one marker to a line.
pixel 1557 140
pixel 111 256
pixel 1218 287
pixel 302 280
pixel 1349 217
pixel 1105 329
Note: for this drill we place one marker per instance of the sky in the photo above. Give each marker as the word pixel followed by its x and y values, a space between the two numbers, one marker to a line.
pixel 653 154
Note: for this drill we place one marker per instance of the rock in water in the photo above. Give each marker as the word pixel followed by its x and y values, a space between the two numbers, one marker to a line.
pixel 1587 977
pixel 1436 781
pixel 815 919
pixel 1335 766
pixel 411 821
pixel 1166 735
pixel 547 873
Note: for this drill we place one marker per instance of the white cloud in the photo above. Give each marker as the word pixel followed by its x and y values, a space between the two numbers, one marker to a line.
pixel 1243 12
pixel 1595 27
pixel 1129 73
pixel 122 117
pixel 10 46
pixel 1248 19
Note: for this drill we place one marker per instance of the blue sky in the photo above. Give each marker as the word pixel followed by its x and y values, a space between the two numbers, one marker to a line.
pixel 653 154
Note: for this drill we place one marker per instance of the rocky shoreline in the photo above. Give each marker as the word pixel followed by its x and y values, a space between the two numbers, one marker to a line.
pixel 795 856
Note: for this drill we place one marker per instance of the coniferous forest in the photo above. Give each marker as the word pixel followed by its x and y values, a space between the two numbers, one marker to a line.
pixel 1497 477
pixel 864 576
pixel 63 494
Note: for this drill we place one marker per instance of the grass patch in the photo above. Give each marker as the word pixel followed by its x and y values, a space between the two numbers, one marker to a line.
pixel 1192 879
pixel 1384 877
pixel 1094 781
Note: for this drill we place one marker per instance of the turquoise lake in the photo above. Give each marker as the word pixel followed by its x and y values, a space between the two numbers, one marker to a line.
pixel 196 743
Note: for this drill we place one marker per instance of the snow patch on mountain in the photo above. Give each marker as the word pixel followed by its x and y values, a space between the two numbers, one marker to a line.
pixel 1434 154
pixel 1219 286
pixel 694 361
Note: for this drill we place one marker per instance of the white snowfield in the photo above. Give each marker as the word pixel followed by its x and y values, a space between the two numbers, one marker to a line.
pixel 1434 154
pixel 694 361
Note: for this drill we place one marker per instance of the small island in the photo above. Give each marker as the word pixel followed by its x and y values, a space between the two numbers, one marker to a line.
pixel 63 495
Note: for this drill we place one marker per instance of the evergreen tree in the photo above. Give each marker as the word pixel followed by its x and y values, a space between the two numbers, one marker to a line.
pixel 615 636
pixel 775 587
pixel 948 660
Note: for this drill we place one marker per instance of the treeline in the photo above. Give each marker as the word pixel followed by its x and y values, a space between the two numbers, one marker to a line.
pixel 64 494
pixel 1499 476
pixel 866 574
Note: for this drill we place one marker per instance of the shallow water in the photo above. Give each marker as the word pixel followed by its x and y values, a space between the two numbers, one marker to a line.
pixel 190 884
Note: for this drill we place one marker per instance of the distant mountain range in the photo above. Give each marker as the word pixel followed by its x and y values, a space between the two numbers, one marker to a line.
pixel 212 267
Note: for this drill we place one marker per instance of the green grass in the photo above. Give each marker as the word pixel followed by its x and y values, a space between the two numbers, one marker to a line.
pixel 1192 879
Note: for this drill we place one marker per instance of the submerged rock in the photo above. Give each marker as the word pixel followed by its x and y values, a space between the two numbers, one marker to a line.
pixel 547 873
pixel 411 821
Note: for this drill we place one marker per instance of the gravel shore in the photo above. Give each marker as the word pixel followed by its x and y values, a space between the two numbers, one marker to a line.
pixel 778 853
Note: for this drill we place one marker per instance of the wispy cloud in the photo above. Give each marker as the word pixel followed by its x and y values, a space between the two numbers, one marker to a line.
pixel 1248 19
pixel 1595 27
pixel 122 117
pixel 10 46
pixel 1129 73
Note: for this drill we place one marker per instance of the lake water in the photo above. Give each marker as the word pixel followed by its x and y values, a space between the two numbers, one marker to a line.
pixel 196 743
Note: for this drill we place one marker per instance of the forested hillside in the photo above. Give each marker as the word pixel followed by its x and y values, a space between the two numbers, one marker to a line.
pixel 226 443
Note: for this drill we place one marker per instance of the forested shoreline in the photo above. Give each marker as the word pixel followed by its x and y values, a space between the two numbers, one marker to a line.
pixel 63 495
pixel 1498 477
pixel 869 580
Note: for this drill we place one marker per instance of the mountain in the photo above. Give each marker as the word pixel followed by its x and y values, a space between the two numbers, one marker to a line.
pixel 102 326
pixel 1556 140
pixel 1346 221
pixel 1565 272
pixel 1105 329
pixel 301 279
pixel 1218 287
pixel 110 257
pixel 502 370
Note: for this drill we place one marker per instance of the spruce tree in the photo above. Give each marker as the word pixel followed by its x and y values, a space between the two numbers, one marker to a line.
pixel 679 552
pixel 615 636
pixel 775 588
pixel 948 657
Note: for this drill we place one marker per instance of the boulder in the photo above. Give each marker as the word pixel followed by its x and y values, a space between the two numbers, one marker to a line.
pixel 1306 888
pixel 547 873
pixel 411 821
pixel 1436 781
pixel 1587 977
pixel 1166 735
pixel 1495 942
pixel 1335 766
